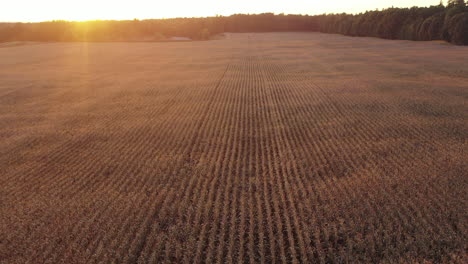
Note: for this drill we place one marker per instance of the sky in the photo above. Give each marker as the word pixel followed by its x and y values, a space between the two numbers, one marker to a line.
pixel 80 10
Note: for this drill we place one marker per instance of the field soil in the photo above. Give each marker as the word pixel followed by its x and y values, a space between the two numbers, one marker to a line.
pixel 254 148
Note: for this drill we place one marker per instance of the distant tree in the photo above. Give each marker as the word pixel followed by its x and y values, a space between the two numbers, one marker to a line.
pixel 458 29
pixel 431 28
pixel 456 3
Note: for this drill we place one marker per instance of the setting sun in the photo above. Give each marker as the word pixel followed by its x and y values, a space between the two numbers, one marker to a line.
pixel 34 11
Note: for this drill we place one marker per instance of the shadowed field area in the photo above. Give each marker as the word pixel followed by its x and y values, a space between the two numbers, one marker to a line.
pixel 256 148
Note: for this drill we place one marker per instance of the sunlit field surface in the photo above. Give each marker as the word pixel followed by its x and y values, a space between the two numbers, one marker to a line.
pixel 255 148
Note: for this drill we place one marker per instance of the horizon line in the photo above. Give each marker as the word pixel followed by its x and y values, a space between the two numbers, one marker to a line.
pixel 216 15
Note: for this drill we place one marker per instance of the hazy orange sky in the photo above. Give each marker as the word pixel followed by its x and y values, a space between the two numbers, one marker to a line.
pixel 42 10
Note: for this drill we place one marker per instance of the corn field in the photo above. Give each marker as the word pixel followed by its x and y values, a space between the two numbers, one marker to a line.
pixel 256 148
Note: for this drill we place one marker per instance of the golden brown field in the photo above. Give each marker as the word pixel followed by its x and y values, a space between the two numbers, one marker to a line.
pixel 257 148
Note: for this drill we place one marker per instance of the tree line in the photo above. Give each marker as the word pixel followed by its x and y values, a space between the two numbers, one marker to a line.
pixel 110 30
pixel 439 22
pixel 442 22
